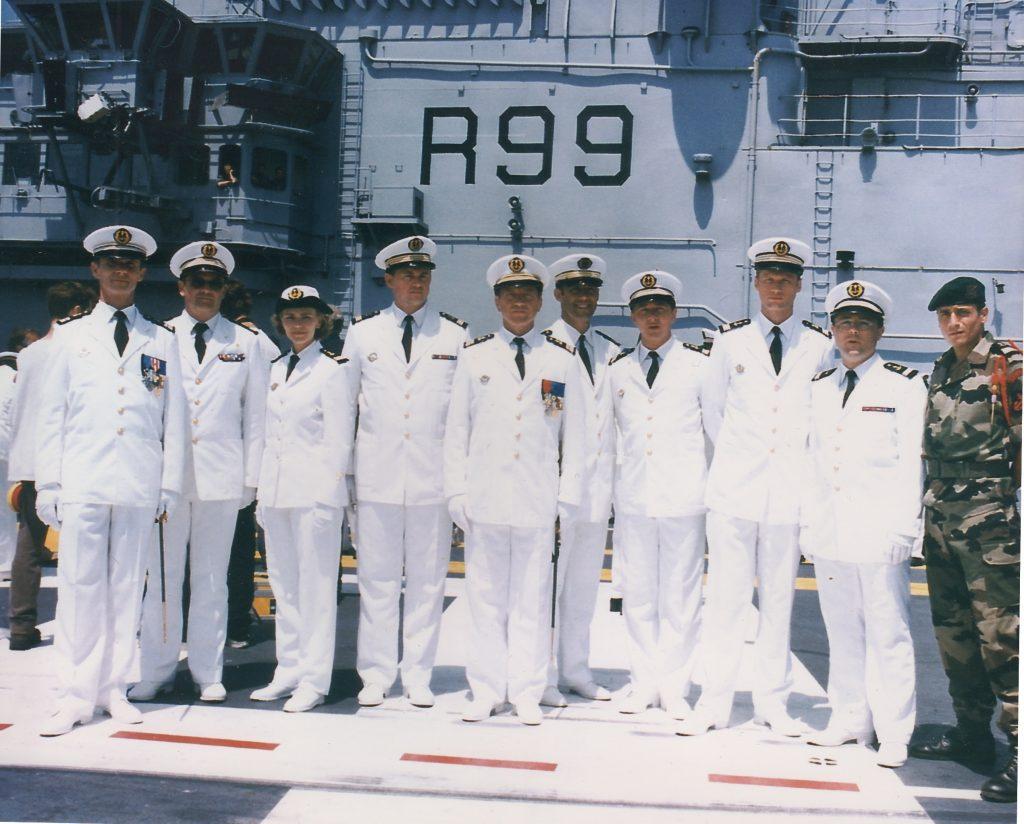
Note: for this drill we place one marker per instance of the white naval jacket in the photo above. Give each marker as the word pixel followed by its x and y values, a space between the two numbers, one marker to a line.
pixel 503 437
pixel 599 448
pixel 227 396
pixel 108 432
pixel 868 475
pixel 33 361
pixel 308 437
pixel 663 463
pixel 402 406
pixel 759 421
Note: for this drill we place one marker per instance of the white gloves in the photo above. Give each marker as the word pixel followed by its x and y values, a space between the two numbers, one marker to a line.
pixel 805 543
pixel 566 515
pixel 168 503
pixel 48 506
pixel 259 515
pixel 900 547
pixel 457 510
pixel 248 496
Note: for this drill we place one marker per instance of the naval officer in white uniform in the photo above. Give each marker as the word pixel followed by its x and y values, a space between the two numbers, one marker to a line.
pixel 659 494
pixel 302 493
pixel 578 280
pixel 517 407
pixel 225 380
pixel 111 451
pixel 401 361
pixel 863 516
pixel 756 404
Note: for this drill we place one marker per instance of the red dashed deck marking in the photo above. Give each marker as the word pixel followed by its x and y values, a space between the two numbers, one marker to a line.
pixel 5 726
pixel 792 783
pixel 195 739
pixel 541 766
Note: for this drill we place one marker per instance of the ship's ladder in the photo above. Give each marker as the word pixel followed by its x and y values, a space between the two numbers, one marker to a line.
pixel 821 248
pixel 349 183
pixel 981 33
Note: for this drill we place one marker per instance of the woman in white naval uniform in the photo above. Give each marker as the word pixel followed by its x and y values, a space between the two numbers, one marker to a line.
pixel 659 495
pixel 307 452
pixel 863 515
pixel 225 380
pixel 757 401
pixel 111 451
pixel 515 406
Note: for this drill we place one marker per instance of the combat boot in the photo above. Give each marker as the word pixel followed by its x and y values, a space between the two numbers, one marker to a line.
pixel 1002 786
pixel 973 745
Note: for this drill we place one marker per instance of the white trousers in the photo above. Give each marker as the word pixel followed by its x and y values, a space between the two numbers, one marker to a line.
pixel 8 525
pixel 580 560
pixel 866 608
pixel 202 531
pixel 417 539
pixel 303 550
pixel 739 550
pixel 662 599
pixel 99 597
pixel 508 588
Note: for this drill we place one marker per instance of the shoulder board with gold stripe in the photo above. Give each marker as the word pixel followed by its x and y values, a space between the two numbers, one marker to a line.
pixel 159 323
pixel 475 341
pixel 900 369
pixel 455 320
pixel 561 343
pixel 824 374
pixel 76 316
pixel 606 337
pixel 248 325
pixel 621 355
pixel 816 328
pixel 736 324
pixel 700 350
pixel 365 317
pixel 280 357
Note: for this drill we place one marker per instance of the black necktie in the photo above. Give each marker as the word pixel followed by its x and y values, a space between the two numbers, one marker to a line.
pixel 851 381
pixel 294 359
pixel 520 358
pixel 652 373
pixel 775 350
pixel 581 347
pixel 199 330
pixel 121 331
pixel 407 338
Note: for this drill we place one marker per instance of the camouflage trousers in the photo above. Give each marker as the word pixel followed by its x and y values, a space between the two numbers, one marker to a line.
pixel 972 548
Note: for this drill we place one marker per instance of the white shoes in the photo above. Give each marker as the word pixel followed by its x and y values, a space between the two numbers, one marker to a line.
pixel 836 736
pixel 636 702
pixel 62 722
pixel 891 755
pixel 677 708
pixel 274 691
pixel 419 696
pixel 304 698
pixel 371 695
pixel 553 698
pixel 595 692
pixel 148 690
pixel 697 722
pixel 783 724
pixel 212 693
pixel 477 711
pixel 529 714
pixel 121 711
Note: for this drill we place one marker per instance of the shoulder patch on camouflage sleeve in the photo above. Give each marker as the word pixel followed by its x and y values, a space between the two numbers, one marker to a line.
pixel 367 316
pixel 816 328
pixel 736 324
pixel 475 341
pixel 247 325
pixel 160 323
pixel 621 355
pixel 824 374
pixel 607 338
pixel 70 318
pixel 700 350
pixel 560 343
pixel 900 369
pixel 455 320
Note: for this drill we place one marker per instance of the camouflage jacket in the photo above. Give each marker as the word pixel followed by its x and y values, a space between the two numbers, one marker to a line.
pixel 974 415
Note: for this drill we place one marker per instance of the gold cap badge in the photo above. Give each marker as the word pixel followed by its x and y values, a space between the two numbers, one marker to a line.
pixel 122 237
pixel 295 293
pixel 415 244
pixel 648 281
pixel 209 250
pixel 855 290
pixel 781 248
pixel 584 263
pixel 516 265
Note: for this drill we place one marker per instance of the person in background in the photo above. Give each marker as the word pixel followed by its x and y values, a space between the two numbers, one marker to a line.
pixel 20 338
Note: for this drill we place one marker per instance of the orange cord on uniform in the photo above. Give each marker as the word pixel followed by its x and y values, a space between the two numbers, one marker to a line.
pixel 1001 380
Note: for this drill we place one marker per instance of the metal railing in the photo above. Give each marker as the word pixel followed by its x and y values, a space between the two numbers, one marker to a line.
pixel 835 19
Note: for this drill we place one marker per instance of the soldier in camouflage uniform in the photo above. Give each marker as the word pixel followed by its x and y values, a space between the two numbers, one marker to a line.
pixel 972 529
